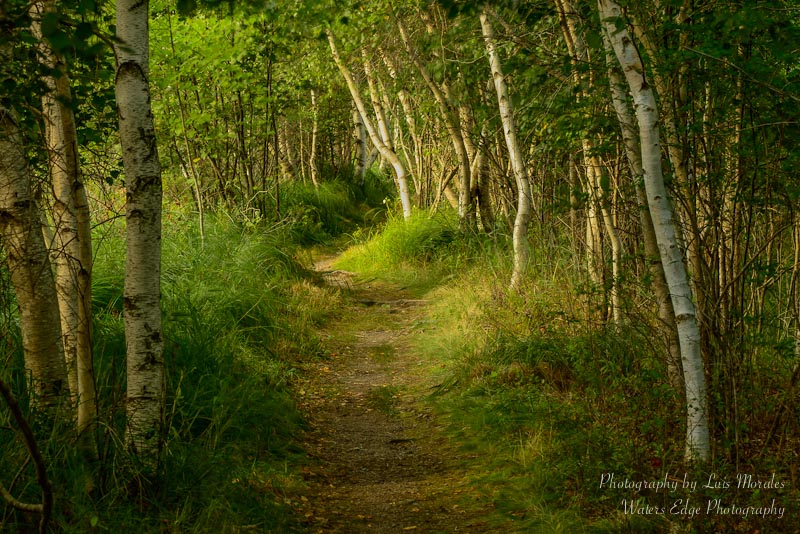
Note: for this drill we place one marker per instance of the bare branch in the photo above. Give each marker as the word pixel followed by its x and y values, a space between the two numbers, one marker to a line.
pixel 46 508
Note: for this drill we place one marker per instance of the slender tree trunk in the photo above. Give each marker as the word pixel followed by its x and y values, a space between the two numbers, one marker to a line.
pixel 675 99
pixel 31 274
pixel 406 105
pixel 595 261
pixel 630 139
pixel 360 136
pixel 377 106
pixel 288 165
pixel 523 216
pixel 616 251
pixel 142 295
pixel 481 183
pixel 698 447
pixel 73 238
pixel 584 82
pixel 312 156
pixel 45 509
pixel 450 117
pixel 385 151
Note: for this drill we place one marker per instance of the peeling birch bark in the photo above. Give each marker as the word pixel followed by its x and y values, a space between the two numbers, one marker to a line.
pixel 142 294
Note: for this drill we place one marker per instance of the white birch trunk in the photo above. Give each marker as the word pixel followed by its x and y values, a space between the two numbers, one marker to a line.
pixel 595 261
pixel 616 252
pixel 360 136
pixel 377 106
pixel 405 104
pixel 698 447
pixel 286 159
pixel 31 274
pixel 142 295
pixel 679 160
pixel 312 153
pixel 385 151
pixel 633 152
pixel 523 216
pixel 450 118
pixel 72 231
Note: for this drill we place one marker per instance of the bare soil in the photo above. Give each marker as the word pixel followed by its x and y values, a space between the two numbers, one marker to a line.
pixel 382 462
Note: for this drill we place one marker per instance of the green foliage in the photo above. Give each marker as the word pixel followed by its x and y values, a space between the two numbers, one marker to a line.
pixel 230 87
pixel 555 403
pixel 534 378
pixel 334 208
pixel 238 313
pixel 405 248
pixel 548 399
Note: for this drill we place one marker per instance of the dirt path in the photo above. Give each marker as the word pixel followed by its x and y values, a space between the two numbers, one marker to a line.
pixel 383 464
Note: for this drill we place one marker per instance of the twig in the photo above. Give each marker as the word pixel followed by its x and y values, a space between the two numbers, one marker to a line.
pixel 19 505
pixel 736 67
pixel 46 508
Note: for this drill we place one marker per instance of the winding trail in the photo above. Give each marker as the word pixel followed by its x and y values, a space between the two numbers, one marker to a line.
pixel 382 463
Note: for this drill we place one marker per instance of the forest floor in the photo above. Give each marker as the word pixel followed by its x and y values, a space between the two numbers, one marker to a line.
pixel 381 461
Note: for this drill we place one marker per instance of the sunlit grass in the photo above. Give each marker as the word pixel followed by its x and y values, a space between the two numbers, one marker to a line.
pixel 519 372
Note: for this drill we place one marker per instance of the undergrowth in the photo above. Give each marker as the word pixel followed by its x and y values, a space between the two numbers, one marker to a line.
pixel 551 400
pixel 418 252
pixel 335 207
pixel 238 310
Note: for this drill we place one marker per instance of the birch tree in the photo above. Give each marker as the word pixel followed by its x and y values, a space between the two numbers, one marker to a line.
pixel 72 251
pixel 598 212
pixel 142 294
pixel 31 275
pixel 522 218
pixel 697 432
pixel 633 152
pixel 374 135
pixel 360 138
pixel 312 151
pixel 406 104
pixel 450 116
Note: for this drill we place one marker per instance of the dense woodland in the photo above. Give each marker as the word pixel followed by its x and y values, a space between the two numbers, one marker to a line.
pixel 601 196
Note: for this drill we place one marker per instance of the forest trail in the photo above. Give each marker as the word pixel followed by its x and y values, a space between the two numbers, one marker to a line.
pixel 381 461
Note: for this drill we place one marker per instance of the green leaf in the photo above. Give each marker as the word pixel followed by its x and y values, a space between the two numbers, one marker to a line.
pixel 50 24
pixel 84 31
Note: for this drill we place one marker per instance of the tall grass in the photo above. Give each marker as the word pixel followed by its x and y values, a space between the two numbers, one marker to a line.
pixel 417 252
pixel 239 311
pixel 335 207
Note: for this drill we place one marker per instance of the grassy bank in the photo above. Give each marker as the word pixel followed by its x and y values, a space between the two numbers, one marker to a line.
pixel 552 400
pixel 240 307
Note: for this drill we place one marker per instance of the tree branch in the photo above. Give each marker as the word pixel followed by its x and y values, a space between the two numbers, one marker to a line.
pixel 46 508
